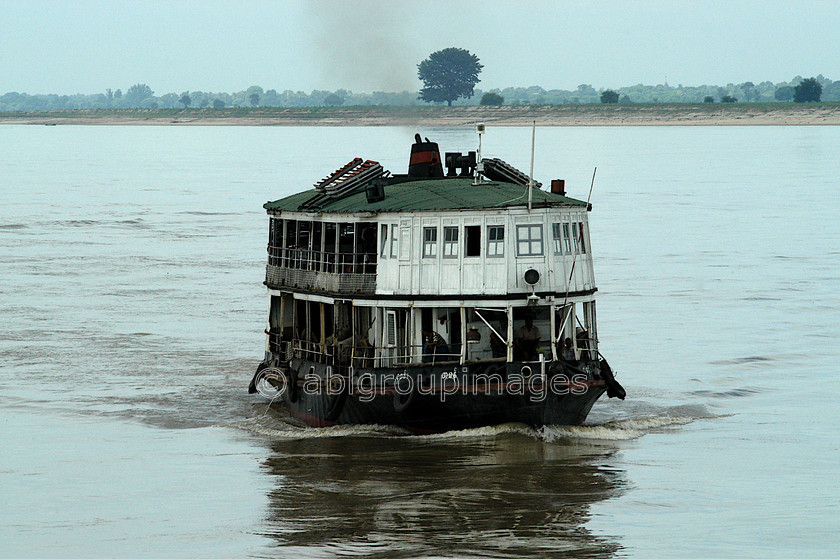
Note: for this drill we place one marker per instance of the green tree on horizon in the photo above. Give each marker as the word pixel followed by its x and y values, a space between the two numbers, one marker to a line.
pixel 808 90
pixel 492 99
pixel 136 94
pixel 448 74
pixel 609 96
pixel 784 93
pixel 333 100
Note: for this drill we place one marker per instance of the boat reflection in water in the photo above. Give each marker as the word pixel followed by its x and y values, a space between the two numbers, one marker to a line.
pixel 485 495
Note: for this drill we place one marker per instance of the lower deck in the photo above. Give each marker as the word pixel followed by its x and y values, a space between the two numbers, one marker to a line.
pixel 364 333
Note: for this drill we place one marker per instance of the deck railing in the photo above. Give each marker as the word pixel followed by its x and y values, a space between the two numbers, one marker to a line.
pixel 321 271
pixel 297 258
pixel 367 356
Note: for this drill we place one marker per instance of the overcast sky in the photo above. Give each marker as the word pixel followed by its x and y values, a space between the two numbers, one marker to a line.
pixel 212 45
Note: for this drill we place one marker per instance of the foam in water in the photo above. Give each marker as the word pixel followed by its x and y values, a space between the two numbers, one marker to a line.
pixel 621 430
pixel 618 430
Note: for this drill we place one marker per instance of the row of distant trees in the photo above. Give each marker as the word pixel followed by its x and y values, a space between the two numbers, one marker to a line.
pixel 142 96
pixel 452 74
pixel 809 90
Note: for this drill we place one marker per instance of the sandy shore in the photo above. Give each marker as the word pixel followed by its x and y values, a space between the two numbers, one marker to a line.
pixel 764 114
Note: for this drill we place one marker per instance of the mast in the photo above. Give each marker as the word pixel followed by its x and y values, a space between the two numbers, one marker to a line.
pixel 531 178
pixel 479 166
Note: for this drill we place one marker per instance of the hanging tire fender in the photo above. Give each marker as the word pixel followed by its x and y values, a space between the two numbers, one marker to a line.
pixel 291 393
pixel 335 404
pixel 252 388
pixel 614 389
pixel 403 401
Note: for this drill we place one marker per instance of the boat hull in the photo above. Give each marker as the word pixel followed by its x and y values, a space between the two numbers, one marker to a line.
pixel 437 398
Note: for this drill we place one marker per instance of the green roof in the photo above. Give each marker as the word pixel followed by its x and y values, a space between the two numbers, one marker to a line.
pixel 428 195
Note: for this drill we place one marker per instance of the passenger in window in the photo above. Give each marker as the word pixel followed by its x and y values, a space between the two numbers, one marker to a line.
pixel 528 340
pixel 434 345
pixel 568 351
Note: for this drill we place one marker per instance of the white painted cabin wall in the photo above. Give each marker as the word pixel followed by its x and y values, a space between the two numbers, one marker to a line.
pixel 411 274
pixel 401 270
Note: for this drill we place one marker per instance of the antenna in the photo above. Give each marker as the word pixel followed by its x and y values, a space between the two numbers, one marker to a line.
pixel 531 178
pixel 479 166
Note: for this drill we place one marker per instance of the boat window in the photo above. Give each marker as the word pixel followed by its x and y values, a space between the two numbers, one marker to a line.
pixel 394 241
pixel 567 240
pixel 346 246
pixel 450 242
pixel 365 257
pixel 429 242
pixel 580 243
pixel 529 240
pixel 317 238
pixel 304 243
pixel 472 240
pixel 275 242
pixel 383 240
pixel 330 248
pixel 556 236
pixel 496 240
pixel 405 240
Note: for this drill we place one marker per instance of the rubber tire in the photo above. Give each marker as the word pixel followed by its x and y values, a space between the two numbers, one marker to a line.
pixel 401 405
pixel 291 394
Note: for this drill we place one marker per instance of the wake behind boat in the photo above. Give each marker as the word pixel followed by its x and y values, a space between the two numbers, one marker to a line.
pixel 432 300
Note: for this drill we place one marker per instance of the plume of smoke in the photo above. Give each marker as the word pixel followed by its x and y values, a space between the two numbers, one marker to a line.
pixel 365 44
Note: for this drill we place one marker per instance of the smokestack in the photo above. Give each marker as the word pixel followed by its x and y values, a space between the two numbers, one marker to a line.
pixel 425 159
pixel 558 186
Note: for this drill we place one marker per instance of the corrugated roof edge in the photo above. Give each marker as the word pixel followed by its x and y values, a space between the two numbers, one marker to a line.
pixel 448 193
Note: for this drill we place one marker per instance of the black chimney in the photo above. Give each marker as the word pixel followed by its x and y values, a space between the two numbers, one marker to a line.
pixel 425 159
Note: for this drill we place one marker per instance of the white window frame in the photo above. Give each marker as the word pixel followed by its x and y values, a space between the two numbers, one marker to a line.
pixel 450 242
pixel 557 237
pixel 567 238
pixel 580 237
pixel 383 231
pixel 467 237
pixel 530 241
pixel 495 245
pixel 405 240
pixel 430 242
pixel 395 240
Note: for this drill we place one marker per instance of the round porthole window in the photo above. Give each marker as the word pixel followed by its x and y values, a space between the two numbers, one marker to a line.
pixel 532 276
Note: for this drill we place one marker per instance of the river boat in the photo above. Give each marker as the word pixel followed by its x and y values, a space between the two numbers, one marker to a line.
pixel 457 295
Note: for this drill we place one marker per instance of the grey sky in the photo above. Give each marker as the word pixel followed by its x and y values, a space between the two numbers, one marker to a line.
pixel 211 45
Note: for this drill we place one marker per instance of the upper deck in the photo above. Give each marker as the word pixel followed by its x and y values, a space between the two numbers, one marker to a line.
pixel 448 237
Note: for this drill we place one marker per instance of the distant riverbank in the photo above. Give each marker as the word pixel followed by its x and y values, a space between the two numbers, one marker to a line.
pixel 703 114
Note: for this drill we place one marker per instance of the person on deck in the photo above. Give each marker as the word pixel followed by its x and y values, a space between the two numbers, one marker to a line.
pixel 435 345
pixel 528 339
pixel 568 351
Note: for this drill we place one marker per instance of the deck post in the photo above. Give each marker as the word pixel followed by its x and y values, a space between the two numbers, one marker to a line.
pixel 553 311
pixel 463 335
pixel 509 314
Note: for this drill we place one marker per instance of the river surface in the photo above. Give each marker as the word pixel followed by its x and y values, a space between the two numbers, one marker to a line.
pixel 131 320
